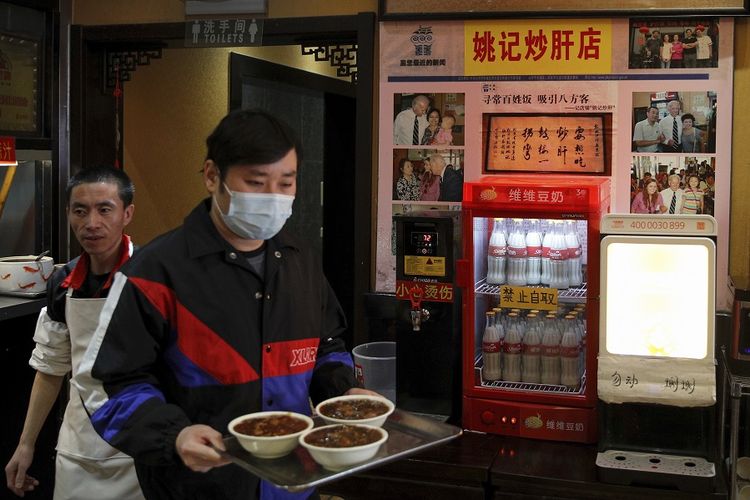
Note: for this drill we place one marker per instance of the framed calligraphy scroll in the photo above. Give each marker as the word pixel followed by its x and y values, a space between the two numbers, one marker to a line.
pixel 575 143
pixel 474 9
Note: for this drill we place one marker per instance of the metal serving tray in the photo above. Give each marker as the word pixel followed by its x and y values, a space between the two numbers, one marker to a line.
pixel 407 434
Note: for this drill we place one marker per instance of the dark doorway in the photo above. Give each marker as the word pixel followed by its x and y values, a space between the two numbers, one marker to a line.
pixel 348 182
pixel 321 110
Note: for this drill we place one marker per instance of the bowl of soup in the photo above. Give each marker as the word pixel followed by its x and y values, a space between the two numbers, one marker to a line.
pixel 270 434
pixel 355 409
pixel 338 446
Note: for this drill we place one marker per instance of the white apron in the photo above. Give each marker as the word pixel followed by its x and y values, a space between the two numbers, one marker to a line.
pixel 87 467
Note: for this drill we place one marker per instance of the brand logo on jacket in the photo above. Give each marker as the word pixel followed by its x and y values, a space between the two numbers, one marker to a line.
pixel 304 356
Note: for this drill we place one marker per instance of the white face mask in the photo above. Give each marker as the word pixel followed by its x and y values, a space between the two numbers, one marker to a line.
pixel 256 216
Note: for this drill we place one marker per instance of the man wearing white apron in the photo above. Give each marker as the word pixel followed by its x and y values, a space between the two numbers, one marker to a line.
pixel 99 206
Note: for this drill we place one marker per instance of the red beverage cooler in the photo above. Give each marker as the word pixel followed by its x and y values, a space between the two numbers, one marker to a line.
pixel 530 318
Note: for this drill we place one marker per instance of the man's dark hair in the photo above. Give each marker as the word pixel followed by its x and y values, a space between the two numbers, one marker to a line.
pixel 652 107
pixel 250 137
pixel 103 173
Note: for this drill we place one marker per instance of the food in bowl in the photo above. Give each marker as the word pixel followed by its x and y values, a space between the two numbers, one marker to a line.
pixel 273 425
pixel 338 446
pixel 356 409
pixel 342 436
pixel 270 434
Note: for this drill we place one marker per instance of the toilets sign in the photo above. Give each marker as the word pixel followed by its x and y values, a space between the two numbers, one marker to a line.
pixel 223 32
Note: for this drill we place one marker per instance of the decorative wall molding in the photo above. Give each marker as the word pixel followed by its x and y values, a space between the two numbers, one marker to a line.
pixel 126 61
pixel 342 57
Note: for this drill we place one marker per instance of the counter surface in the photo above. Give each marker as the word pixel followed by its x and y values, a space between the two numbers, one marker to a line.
pixel 12 307
pixel 485 466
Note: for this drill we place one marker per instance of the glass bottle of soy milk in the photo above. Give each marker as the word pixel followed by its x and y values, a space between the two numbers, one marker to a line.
pixel 517 254
pixel 491 350
pixel 496 254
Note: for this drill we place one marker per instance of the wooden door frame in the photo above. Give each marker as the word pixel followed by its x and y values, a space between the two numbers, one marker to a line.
pixel 92 114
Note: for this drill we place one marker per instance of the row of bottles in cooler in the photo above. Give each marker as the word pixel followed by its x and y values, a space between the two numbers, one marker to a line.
pixel 534 348
pixel 527 255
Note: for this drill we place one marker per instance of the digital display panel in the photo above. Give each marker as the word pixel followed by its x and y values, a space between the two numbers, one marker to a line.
pixel 424 243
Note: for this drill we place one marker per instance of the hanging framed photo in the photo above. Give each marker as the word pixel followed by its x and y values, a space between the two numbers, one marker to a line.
pixel 474 9
pixel 20 87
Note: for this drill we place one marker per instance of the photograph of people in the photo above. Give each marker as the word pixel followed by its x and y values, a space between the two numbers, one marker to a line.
pixel 702 167
pixel 648 201
pixel 689 43
pixel 709 192
pixel 692 200
pixel 704 48
pixel 444 136
pixel 420 118
pixel 647 57
pixel 692 138
pixel 408 186
pixel 451 182
pixel 669 121
pixel 677 48
pixel 671 128
pixel 653 45
pixel 665 52
pixel 687 184
pixel 430 183
pixel 672 195
pixel 410 124
pixel 433 127
pixel 647 134
pixel 673 43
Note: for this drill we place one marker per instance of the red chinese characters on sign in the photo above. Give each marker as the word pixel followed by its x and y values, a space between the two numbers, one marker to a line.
pixel 484 49
pixel 429 292
pixel 536 195
pixel 509 46
pixel 536 45
pixel 559 44
pixel 8 151
pixel 568 197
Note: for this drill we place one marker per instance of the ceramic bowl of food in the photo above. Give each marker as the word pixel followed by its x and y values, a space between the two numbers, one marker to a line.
pixel 356 409
pixel 336 447
pixel 270 434
pixel 24 275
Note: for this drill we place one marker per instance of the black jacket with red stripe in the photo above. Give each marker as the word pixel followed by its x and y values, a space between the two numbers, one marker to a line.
pixel 191 335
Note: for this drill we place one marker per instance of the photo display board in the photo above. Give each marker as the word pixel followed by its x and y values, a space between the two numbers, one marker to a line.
pixel 572 143
pixel 646 102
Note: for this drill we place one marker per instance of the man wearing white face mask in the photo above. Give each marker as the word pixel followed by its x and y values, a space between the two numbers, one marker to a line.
pixel 226 315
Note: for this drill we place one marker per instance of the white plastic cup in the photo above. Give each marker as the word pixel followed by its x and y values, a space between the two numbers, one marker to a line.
pixel 375 367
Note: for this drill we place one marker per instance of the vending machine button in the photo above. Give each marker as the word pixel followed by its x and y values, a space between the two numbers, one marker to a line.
pixel 488 417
